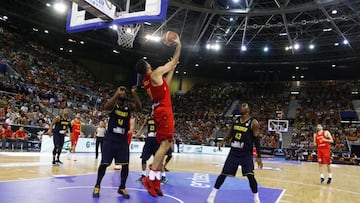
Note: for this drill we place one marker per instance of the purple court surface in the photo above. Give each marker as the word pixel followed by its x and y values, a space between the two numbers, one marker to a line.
pixel 182 187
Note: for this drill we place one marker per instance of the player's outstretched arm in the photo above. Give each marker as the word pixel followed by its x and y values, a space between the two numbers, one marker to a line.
pixel 138 105
pixel 170 66
pixel 109 105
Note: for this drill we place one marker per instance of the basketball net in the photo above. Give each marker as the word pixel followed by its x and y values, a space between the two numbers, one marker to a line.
pixel 127 34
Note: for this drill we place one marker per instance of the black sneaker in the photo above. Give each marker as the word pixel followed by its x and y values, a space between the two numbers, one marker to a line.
pixel 329 181
pixel 96 192
pixel 54 162
pixel 124 193
pixel 59 162
pixel 165 169
pixel 322 180
pixel 164 180
pixel 140 178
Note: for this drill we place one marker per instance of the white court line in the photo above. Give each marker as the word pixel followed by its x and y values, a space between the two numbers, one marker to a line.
pixel 280 196
pixel 312 185
pixel 288 195
pixel 23 164
pixel 109 187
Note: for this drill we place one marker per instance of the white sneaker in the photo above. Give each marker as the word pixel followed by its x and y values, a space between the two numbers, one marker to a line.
pixel 211 198
pixel 256 199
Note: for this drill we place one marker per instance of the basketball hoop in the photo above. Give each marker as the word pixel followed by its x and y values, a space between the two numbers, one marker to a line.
pixel 127 34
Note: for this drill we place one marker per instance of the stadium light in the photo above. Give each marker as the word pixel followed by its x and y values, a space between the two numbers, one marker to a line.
pixel 243 48
pixel 345 42
pixel 311 46
pixel 266 49
pixel 153 38
pixel 297 46
pixel 334 12
pixel 229 67
pixel 60 6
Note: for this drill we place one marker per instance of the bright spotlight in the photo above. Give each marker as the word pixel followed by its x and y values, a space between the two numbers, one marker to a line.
pixel 243 48
pixel 229 67
pixel 297 46
pixel 113 27
pixel 208 46
pixel 345 42
pixel 333 65
pixel 153 38
pixel 336 44
pixel 236 1
pixel 60 7
pixel 334 12
pixel 48 5
pixel 231 19
pixel 266 49
pixel 216 47
pixel 311 46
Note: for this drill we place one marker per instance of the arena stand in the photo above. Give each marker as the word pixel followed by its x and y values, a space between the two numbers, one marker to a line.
pixel 35 85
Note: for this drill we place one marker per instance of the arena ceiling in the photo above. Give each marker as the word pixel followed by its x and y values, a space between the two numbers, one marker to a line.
pixel 257 39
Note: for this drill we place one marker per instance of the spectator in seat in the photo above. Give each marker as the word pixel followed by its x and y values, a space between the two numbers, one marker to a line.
pixel 21 138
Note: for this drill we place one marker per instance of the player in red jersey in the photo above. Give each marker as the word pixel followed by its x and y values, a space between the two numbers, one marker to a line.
pixel 75 133
pixel 157 88
pixel 322 139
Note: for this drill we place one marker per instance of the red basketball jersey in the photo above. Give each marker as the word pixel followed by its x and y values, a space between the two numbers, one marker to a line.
pixel 159 94
pixel 319 142
pixel 76 126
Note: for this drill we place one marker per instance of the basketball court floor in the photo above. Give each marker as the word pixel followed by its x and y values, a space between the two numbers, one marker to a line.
pixel 31 177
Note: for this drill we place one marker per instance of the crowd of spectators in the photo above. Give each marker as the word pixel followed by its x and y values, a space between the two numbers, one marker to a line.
pixel 322 102
pixel 44 81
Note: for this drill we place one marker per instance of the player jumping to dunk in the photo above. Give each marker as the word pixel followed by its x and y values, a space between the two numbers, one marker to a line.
pixel 157 88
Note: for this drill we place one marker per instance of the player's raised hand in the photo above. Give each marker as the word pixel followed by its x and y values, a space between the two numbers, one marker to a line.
pixel 177 40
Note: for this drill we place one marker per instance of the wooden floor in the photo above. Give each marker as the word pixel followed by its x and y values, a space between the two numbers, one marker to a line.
pixel 300 181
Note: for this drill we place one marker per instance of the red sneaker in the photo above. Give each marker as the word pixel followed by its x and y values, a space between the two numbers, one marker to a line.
pixel 157 187
pixel 149 186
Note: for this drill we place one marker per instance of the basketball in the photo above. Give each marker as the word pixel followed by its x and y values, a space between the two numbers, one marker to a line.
pixel 169 38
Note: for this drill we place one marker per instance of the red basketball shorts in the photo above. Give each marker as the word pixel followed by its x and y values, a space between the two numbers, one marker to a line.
pixel 74 138
pixel 164 122
pixel 323 156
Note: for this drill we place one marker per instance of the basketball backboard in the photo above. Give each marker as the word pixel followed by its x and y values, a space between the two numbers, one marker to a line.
pixel 275 125
pixel 96 14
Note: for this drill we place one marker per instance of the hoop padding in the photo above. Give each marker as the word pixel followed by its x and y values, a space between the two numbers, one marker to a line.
pixel 127 34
